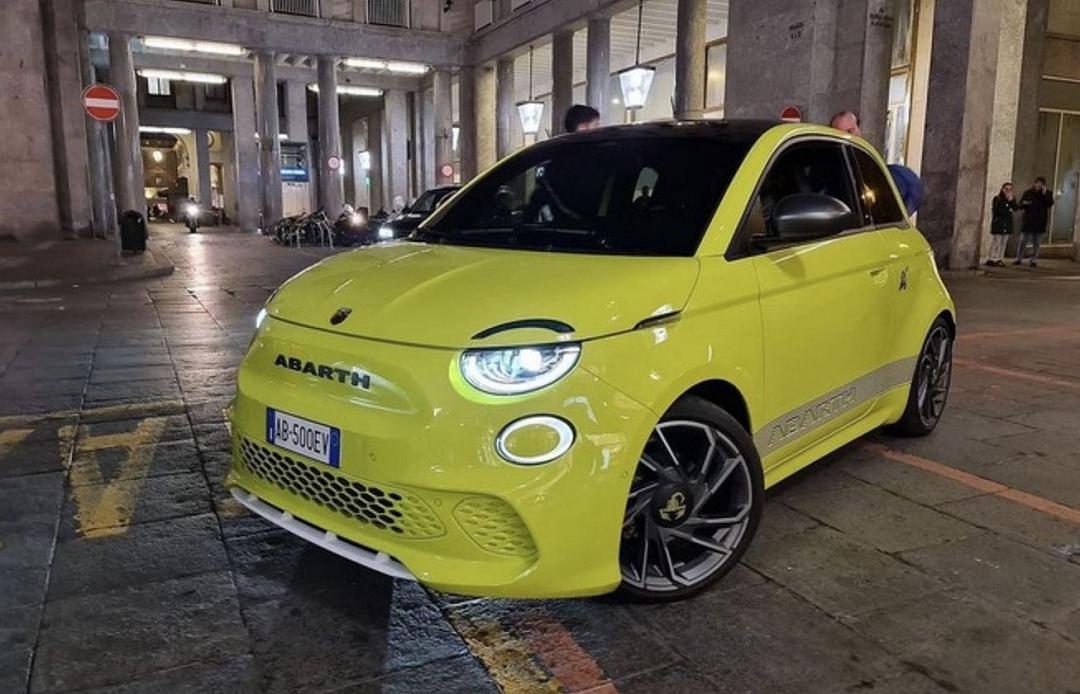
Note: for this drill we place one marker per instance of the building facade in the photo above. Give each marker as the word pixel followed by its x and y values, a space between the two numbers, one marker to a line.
pixel 263 108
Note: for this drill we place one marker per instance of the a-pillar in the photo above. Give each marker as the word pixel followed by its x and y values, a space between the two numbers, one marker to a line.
pixel 202 162
pixel 959 115
pixel 822 57
pixel 128 164
pixel 444 127
pixel 562 78
pixel 331 182
pixel 504 107
pixel 690 59
pixel 598 66
pixel 245 153
pixel 269 146
pixel 467 135
pixel 395 147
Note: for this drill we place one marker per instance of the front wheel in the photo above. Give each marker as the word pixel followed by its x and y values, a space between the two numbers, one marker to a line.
pixel 694 503
pixel 930 384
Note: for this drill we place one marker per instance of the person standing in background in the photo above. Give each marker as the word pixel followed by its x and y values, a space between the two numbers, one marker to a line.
pixel 1001 224
pixel 580 117
pixel 1036 203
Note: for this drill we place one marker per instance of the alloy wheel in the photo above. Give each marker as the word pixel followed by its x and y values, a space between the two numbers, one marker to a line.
pixel 689 507
pixel 935 374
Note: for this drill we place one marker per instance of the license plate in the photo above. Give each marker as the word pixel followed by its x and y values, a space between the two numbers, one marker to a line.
pixel 310 439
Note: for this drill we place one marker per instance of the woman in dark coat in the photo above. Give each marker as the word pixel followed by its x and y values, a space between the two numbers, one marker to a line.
pixel 1001 224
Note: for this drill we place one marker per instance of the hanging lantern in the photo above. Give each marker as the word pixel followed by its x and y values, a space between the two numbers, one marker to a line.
pixel 530 111
pixel 635 82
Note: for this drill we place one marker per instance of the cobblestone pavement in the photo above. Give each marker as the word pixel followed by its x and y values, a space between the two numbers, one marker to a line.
pixel 945 564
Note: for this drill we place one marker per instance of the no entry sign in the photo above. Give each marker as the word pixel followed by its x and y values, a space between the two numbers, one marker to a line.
pixel 333 163
pixel 791 114
pixel 101 102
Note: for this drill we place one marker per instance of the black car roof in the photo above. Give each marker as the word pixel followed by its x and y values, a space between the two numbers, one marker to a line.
pixel 737 129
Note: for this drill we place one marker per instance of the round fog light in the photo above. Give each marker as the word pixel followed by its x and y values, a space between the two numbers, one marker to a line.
pixel 534 440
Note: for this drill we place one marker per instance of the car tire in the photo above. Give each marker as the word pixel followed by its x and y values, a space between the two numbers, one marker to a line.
pixel 930 383
pixel 694 503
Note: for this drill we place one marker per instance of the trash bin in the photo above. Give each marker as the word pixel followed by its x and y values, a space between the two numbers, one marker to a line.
pixel 132 231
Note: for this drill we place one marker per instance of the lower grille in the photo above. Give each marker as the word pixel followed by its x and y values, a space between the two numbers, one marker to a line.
pixel 494 525
pixel 381 507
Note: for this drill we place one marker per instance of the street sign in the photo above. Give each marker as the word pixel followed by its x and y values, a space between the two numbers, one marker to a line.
pixel 791 114
pixel 447 170
pixel 334 163
pixel 101 102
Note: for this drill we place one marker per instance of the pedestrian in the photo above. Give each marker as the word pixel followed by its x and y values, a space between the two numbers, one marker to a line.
pixel 1001 224
pixel 1036 203
pixel 848 122
pixel 580 117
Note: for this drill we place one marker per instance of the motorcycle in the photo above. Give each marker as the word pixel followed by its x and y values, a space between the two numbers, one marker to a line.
pixel 191 216
pixel 352 227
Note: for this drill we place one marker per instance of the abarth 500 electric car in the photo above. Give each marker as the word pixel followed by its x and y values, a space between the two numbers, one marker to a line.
pixel 582 371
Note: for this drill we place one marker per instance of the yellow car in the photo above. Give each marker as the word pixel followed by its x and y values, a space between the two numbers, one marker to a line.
pixel 583 370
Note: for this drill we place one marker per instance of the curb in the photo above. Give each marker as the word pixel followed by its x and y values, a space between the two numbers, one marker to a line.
pixel 121 274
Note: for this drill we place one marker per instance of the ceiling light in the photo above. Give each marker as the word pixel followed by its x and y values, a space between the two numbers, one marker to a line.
pixel 636 81
pixel 350 90
pixel 211 47
pixel 407 68
pixel 165 130
pixel 366 63
pixel 179 76
pixel 530 111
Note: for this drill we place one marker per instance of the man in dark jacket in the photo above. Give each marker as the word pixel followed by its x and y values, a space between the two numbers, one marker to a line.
pixel 1036 203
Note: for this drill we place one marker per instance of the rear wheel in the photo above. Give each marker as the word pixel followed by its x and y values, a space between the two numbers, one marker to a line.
pixel 930 384
pixel 694 503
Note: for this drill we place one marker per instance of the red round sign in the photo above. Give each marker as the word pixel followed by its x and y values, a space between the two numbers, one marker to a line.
pixel 447 170
pixel 334 163
pixel 791 114
pixel 101 102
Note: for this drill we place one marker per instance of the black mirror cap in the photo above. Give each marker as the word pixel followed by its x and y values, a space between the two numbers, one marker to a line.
pixel 805 216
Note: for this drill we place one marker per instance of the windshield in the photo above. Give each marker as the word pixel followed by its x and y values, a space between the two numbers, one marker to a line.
pixel 641 195
pixel 428 201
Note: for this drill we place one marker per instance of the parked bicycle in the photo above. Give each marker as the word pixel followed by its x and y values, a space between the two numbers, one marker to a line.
pixel 311 229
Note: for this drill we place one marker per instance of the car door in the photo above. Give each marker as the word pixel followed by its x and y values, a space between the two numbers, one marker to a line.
pixel 824 305
pixel 886 212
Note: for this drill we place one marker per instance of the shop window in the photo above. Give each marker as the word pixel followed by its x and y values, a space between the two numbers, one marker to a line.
pixel 158 87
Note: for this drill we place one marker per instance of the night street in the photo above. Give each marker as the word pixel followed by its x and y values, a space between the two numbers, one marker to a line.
pixel 944 564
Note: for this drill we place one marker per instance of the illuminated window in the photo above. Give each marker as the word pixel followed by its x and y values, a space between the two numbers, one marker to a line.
pixel 155 86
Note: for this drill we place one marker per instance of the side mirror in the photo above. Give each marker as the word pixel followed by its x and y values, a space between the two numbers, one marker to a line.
pixel 808 216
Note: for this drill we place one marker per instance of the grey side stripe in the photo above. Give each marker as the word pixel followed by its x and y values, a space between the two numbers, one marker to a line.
pixel 805 419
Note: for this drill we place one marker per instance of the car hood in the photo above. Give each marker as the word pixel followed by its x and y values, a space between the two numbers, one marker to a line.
pixel 444 296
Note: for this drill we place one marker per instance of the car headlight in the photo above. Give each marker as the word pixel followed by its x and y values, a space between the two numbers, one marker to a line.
pixel 386 232
pixel 516 370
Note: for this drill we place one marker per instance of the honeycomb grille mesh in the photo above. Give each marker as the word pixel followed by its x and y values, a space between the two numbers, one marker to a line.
pixel 392 510
pixel 493 525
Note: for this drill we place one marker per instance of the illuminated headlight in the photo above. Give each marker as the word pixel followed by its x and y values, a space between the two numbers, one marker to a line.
pixel 517 370
pixel 357 219
pixel 192 210
pixel 386 232
pixel 260 318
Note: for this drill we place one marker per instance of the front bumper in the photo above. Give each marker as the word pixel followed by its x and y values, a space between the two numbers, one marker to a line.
pixel 421 489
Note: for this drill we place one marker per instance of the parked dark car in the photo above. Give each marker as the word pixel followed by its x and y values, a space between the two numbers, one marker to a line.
pixel 402 225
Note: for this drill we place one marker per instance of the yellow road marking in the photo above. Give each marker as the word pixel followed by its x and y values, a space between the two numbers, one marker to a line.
pixel 1036 503
pixel 104 508
pixel 13 437
pixel 107 412
pixel 508 660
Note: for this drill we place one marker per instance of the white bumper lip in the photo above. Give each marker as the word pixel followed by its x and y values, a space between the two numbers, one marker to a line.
pixel 377 561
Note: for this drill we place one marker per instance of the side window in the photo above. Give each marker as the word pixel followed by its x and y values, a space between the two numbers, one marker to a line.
pixel 811 167
pixel 876 193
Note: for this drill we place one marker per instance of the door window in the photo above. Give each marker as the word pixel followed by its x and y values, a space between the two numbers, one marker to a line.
pixel 809 167
pixel 877 195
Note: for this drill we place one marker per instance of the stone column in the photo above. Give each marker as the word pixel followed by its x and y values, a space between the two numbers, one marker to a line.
pixel 690 59
pixel 467 122
pixel 101 190
pixel 245 154
pixel 128 163
pixel 562 78
pixel 821 57
pixel 331 183
pixel 202 161
pixel 395 150
pixel 296 120
pixel 269 126
pixel 504 107
pixel 958 121
pixel 444 125
pixel 598 66
pixel 486 145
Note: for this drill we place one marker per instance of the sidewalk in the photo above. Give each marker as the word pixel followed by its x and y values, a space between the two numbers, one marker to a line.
pixel 68 262
pixel 1047 268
